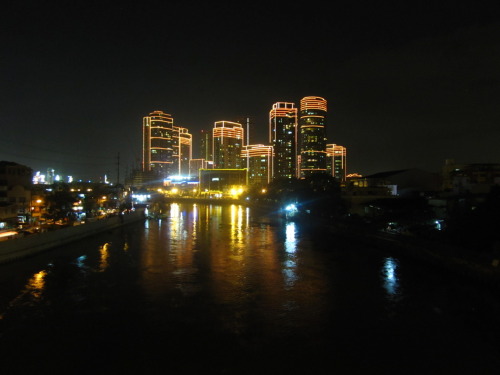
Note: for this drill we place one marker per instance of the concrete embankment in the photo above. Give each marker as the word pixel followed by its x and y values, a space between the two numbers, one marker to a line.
pixel 33 244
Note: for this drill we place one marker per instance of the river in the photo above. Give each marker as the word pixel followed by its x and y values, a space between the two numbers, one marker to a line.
pixel 230 290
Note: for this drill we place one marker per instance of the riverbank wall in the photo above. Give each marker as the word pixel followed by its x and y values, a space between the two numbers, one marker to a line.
pixel 23 247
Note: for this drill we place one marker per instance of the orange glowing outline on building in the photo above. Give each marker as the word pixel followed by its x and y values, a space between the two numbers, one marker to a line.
pixel 255 152
pixel 228 135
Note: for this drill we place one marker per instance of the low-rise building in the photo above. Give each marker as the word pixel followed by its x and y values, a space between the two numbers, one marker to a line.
pixel 15 193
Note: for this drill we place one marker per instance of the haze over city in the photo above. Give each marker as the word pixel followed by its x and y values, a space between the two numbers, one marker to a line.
pixel 407 85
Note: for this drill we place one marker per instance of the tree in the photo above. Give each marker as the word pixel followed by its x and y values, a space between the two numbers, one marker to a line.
pixel 60 203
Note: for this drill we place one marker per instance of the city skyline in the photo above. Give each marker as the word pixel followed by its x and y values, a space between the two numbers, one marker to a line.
pixel 407 85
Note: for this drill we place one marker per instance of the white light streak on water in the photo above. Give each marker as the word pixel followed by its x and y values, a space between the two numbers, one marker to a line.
pixel 390 277
pixel 289 269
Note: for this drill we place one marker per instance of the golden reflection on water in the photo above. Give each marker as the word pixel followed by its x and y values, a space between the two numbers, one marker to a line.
pixel 194 220
pixel 236 230
pixel 175 221
pixel 32 293
pixel 233 258
pixel 104 257
pixel 36 284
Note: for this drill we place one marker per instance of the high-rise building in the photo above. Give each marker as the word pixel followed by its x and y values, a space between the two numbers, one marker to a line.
pixel 185 151
pixel 259 163
pixel 227 144
pixel 167 149
pixel 283 138
pixel 247 123
pixel 159 143
pixel 50 176
pixel 206 145
pixel 312 122
pixel 336 162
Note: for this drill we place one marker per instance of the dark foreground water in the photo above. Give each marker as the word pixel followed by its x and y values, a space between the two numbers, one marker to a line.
pixel 225 290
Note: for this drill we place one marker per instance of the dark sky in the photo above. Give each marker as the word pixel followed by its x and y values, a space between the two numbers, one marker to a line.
pixel 408 84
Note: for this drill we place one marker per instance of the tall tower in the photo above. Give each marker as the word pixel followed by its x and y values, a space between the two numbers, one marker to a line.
pixel 312 123
pixel 227 144
pixel 206 145
pixel 336 162
pixel 185 150
pixel 283 138
pixel 159 144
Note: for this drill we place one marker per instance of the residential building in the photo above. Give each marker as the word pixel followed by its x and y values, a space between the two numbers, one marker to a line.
pixel 206 145
pixel 15 193
pixel 336 161
pixel 259 164
pixel 159 144
pixel 283 138
pixel 185 151
pixel 227 144
pixel 167 148
pixel 312 122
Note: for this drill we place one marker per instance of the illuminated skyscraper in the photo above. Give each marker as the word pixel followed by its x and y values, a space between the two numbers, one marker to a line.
pixel 158 144
pixel 166 148
pixel 227 144
pixel 185 150
pixel 283 138
pixel 260 164
pixel 336 162
pixel 312 123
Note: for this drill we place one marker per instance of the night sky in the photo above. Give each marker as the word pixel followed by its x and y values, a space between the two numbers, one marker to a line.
pixel 408 84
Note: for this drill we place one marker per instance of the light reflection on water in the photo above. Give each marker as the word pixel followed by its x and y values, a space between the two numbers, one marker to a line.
pixel 291 241
pixel 391 278
pixel 290 248
pixel 219 254
pixel 36 284
pixel 104 257
pixel 220 280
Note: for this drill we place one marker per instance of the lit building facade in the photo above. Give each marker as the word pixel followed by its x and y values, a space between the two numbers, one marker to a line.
pixel 259 164
pixel 227 145
pixel 283 138
pixel 167 149
pixel 159 143
pixel 206 145
pixel 336 162
pixel 222 182
pixel 185 150
pixel 312 122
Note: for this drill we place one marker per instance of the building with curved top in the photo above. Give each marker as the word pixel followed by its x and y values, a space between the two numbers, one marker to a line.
pixel 167 149
pixel 159 142
pixel 312 135
pixel 336 161
pixel 283 138
pixel 227 144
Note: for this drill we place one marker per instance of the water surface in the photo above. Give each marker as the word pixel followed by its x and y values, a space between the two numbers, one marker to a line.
pixel 229 290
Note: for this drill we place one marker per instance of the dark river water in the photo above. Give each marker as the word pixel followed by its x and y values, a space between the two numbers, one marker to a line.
pixel 229 290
